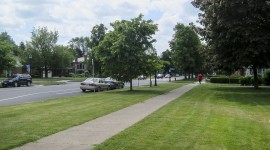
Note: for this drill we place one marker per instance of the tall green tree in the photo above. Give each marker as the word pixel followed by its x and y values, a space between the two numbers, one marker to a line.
pixel 4 36
pixel 79 45
pixel 64 56
pixel 6 56
pixel 185 47
pixel 97 35
pixel 238 31
pixel 153 65
pixel 166 56
pixel 22 46
pixel 43 43
pixel 124 51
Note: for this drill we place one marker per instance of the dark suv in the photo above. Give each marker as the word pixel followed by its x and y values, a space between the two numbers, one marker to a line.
pixel 17 80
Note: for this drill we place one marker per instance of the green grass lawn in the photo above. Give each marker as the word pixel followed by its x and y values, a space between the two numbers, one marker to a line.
pixel 28 122
pixel 210 116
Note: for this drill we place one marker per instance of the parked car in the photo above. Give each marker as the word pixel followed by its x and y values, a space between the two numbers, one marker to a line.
pixel 141 77
pixel 17 80
pixel 167 76
pixel 114 83
pixel 159 76
pixel 94 84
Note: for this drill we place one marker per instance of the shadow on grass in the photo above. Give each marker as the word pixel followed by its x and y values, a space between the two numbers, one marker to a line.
pixel 186 81
pixel 244 95
pixel 137 92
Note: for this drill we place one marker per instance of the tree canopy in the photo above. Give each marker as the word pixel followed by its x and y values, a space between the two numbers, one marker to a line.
pixel 238 31
pixel 79 45
pixel 124 51
pixel 64 57
pixel 98 33
pixel 185 47
pixel 166 57
pixel 43 42
pixel 6 56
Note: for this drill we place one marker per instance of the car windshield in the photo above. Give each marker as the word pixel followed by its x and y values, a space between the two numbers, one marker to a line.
pixel 109 79
pixel 91 80
pixel 12 76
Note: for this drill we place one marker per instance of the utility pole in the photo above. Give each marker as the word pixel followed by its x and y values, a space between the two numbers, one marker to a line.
pixel 93 68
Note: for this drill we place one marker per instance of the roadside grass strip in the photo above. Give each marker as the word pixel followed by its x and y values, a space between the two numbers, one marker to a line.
pixel 210 116
pixel 24 123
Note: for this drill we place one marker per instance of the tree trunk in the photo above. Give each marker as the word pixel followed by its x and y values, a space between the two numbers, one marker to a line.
pixel 185 76
pixel 130 83
pixel 46 72
pixel 150 81
pixel 256 84
pixel 130 79
pixel 155 79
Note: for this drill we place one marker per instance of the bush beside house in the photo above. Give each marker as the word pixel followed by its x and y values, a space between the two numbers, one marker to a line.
pixel 249 80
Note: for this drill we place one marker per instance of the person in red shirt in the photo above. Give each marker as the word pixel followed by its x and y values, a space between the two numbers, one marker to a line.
pixel 200 76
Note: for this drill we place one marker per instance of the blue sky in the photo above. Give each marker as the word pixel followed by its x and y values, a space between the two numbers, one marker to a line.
pixel 75 18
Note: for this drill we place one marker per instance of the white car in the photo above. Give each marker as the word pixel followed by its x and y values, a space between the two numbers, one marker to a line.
pixel 167 76
pixel 94 84
pixel 159 76
pixel 141 77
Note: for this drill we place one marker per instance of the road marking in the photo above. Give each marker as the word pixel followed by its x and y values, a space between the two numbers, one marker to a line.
pixel 33 94
pixel 68 92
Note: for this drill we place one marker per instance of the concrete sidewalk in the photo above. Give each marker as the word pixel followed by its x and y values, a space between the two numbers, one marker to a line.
pixel 85 136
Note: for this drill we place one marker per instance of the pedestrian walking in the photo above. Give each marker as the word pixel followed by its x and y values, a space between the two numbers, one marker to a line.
pixel 200 76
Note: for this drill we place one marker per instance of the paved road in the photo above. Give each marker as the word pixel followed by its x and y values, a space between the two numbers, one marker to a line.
pixel 18 95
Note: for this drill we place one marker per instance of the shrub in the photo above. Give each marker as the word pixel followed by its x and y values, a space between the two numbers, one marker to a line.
pixel 246 80
pixel 266 78
pixel 224 79
pixel 249 80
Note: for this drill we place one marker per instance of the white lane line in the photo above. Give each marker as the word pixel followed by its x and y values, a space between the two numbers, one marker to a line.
pixel 33 94
pixel 68 92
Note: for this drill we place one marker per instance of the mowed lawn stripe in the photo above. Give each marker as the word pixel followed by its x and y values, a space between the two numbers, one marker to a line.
pixel 28 122
pixel 211 116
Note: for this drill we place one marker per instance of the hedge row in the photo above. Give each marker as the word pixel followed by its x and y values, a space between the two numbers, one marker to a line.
pixel 224 79
pixel 245 81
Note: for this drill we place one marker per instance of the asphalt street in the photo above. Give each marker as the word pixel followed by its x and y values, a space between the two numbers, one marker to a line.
pixel 18 95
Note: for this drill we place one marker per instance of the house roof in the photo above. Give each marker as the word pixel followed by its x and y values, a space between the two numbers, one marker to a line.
pixel 80 59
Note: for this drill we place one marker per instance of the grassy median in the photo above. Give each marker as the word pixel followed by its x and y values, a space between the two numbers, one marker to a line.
pixel 211 116
pixel 28 122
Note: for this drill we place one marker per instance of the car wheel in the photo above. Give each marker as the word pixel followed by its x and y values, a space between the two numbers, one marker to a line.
pixel 28 83
pixel 83 90
pixel 15 84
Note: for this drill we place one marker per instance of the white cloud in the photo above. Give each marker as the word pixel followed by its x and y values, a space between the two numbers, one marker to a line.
pixel 76 18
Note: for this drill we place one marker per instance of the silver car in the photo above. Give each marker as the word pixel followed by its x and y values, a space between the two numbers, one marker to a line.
pixel 94 84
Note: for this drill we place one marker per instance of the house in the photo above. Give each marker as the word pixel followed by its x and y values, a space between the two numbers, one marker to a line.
pixel 79 65
pixel 249 71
